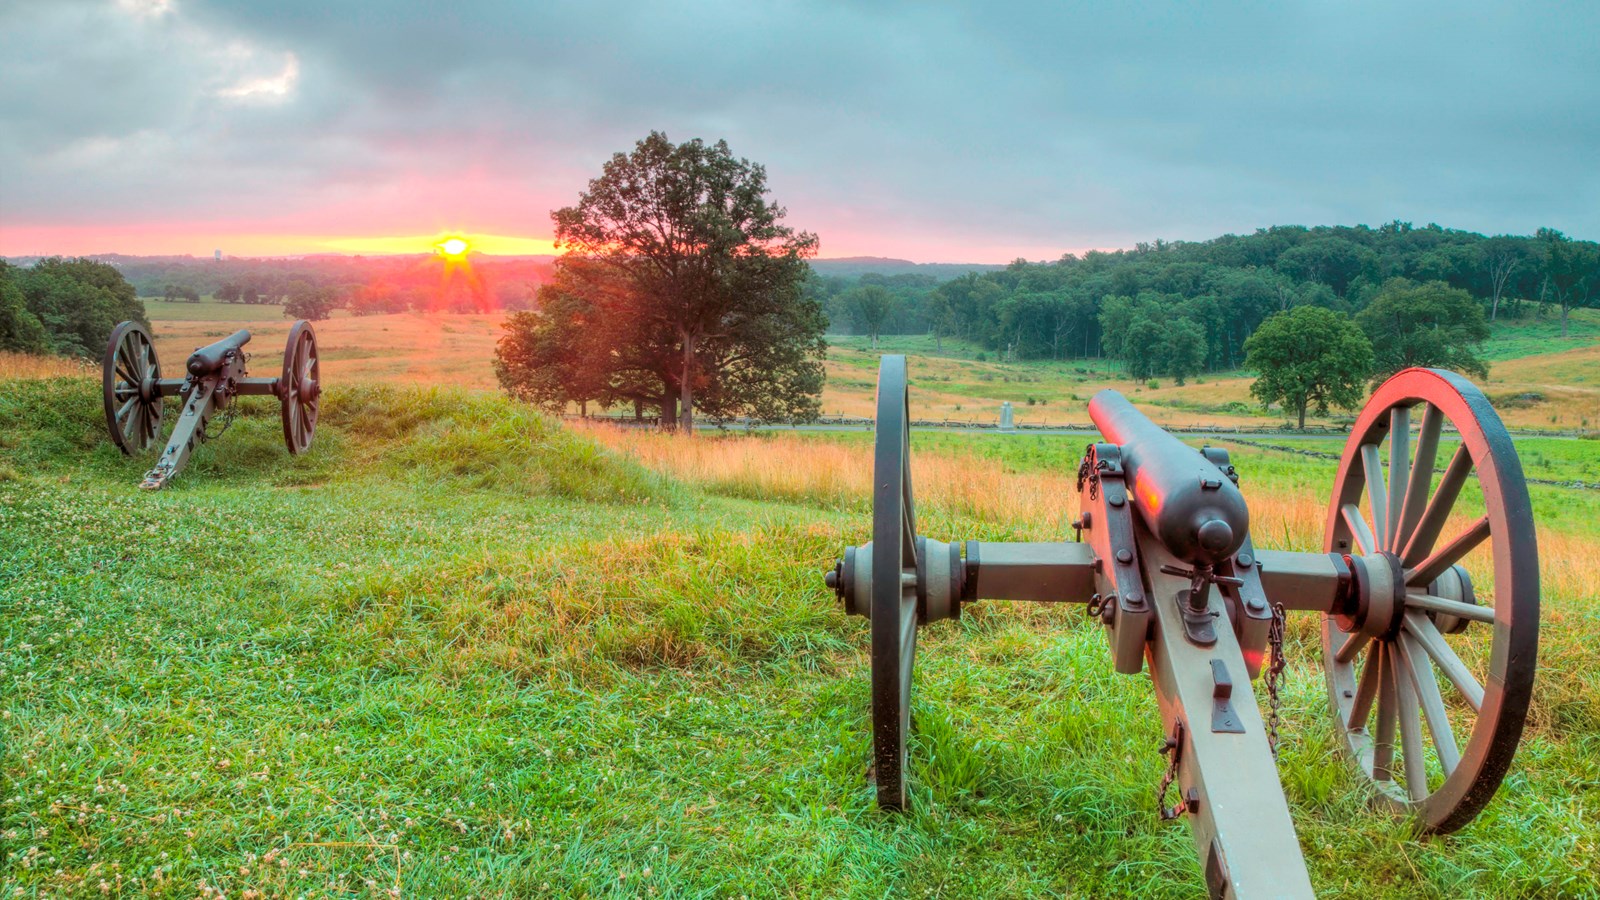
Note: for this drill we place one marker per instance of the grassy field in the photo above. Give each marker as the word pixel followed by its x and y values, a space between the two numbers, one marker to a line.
pixel 458 650
pixel 1538 380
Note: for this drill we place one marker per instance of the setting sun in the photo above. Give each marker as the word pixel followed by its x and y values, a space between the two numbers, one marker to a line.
pixel 454 247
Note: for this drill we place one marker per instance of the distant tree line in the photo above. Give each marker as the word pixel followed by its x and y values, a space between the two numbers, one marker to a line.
pixel 65 306
pixel 1175 309
pixel 366 285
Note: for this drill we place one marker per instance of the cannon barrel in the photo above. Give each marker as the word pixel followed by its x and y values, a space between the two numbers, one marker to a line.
pixel 1189 504
pixel 210 358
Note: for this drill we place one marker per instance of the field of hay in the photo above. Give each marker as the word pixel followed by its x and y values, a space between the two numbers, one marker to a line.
pixel 1555 388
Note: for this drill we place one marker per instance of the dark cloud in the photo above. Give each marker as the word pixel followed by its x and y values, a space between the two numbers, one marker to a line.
pixel 918 129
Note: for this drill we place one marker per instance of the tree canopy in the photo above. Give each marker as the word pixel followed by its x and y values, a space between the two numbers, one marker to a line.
pixel 68 306
pixel 679 290
pixel 1429 324
pixel 1308 357
pixel 310 301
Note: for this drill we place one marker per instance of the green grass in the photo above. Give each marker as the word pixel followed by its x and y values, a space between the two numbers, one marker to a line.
pixel 1531 336
pixel 457 651
pixel 208 311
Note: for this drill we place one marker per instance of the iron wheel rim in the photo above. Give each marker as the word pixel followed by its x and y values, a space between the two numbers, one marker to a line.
pixel 1440 796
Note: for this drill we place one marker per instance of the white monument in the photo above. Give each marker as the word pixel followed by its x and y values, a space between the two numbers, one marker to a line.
pixel 1006 421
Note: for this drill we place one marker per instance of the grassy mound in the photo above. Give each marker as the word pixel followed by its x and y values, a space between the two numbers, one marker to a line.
pixel 427 438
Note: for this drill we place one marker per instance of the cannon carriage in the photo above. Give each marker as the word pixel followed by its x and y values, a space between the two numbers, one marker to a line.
pixel 214 375
pixel 1429 669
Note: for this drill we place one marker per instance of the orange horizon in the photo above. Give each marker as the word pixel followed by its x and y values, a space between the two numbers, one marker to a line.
pixel 169 240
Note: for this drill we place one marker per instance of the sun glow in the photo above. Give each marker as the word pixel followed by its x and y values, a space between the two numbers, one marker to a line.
pixel 453 247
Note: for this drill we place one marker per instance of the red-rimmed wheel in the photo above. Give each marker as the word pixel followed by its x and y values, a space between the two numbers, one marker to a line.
pixel 132 387
pixel 1429 676
pixel 300 387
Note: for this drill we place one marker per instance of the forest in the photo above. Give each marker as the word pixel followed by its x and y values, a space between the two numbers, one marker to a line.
pixel 1154 304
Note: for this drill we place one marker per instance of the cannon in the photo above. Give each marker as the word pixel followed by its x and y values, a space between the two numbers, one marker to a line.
pixel 1427 586
pixel 214 375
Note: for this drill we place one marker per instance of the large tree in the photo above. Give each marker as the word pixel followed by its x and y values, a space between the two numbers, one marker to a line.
pixel 78 301
pixel 20 330
pixel 310 301
pixel 1308 357
pixel 871 305
pixel 1427 324
pixel 1572 270
pixel 693 285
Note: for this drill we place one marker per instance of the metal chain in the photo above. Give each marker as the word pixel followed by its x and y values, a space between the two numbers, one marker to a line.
pixel 1174 747
pixel 227 422
pixel 1275 676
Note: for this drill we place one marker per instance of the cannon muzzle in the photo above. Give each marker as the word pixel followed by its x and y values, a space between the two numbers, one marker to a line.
pixel 211 358
pixel 1189 504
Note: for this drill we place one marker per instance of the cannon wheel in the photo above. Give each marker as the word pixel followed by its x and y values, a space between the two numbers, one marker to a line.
pixel 894 602
pixel 1475 686
pixel 132 388
pixel 300 387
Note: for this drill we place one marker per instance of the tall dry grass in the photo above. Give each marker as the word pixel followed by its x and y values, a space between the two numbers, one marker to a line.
pixel 31 366
pixel 790 468
pixel 787 468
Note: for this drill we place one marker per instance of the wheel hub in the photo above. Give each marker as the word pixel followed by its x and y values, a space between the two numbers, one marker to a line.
pixel 1376 603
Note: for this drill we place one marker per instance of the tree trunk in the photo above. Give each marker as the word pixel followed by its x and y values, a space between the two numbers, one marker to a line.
pixel 669 410
pixel 1302 415
pixel 1565 308
pixel 686 387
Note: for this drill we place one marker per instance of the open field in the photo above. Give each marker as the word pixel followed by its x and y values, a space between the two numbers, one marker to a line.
pixel 452 350
pixel 1539 381
pixel 460 650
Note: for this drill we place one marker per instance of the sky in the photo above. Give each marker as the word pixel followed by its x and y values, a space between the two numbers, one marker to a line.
pixel 930 131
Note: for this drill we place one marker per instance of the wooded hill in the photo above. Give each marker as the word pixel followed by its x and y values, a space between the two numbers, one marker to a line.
pixel 1216 292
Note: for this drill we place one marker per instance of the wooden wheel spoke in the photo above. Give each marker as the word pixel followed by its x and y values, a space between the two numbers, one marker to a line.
pixel 1420 479
pixel 1388 716
pixel 1451 554
pixel 1399 470
pixel 1420 673
pixel 1352 646
pixel 1377 496
pixel 1411 753
pixel 124 368
pixel 1358 529
pixel 1366 691
pixel 124 409
pixel 1469 611
pixel 1428 636
pixel 1420 542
